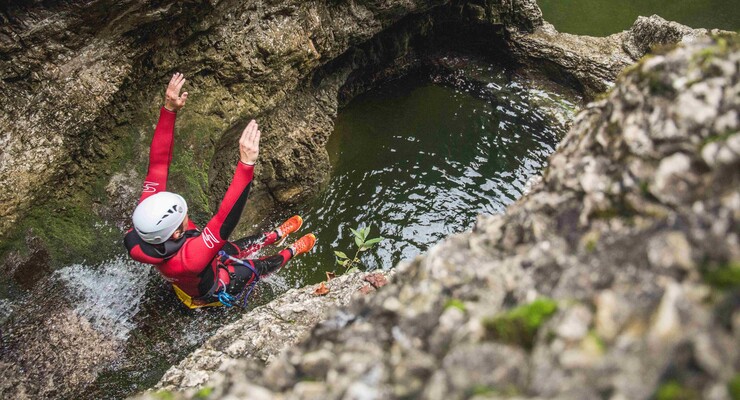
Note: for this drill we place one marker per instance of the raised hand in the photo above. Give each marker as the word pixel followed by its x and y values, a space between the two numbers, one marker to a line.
pixel 249 143
pixel 173 101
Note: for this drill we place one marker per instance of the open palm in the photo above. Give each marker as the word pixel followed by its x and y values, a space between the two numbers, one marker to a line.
pixel 173 101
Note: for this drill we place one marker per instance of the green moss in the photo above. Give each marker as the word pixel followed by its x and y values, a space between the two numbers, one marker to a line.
pixel 69 230
pixel 621 208
pixel 658 87
pixel 734 387
pixel 607 213
pixel 724 276
pixel 707 54
pixel 636 67
pixel 486 390
pixel 675 391
pixel 594 338
pixel 520 325
pixel 203 393
pixel 66 221
pixel 591 245
pixel 603 95
pixel 164 395
pixel 193 154
pixel 718 138
pixel 480 390
pixel 189 178
pixel 456 304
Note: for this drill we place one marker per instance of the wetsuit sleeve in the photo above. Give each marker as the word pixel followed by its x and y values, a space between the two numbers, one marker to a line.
pixel 199 252
pixel 160 154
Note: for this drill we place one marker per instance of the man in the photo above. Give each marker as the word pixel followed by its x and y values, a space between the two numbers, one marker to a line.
pixel 165 237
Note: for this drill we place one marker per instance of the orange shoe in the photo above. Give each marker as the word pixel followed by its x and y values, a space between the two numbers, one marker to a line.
pixel 303 245
pixel 291 225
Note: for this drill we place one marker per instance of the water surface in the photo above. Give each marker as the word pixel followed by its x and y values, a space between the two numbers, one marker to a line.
pixel 417 161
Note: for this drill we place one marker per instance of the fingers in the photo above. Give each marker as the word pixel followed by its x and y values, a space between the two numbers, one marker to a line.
pixel 256 138
pixel 184 96
pixel 176 81
pixel 248 131
pixel 180 82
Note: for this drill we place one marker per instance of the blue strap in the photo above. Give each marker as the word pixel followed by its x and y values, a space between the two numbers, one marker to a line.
pixel 227 299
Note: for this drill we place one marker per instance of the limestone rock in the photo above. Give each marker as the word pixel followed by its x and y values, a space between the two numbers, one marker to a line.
pixel 593 63
pixel 264 332
pixel 634 310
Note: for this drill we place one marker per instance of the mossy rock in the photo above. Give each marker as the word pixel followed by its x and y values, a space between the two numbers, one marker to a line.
pixel 455 303
pixel 734 387
pixel 723 276
pixel 675 391
pixel 519 326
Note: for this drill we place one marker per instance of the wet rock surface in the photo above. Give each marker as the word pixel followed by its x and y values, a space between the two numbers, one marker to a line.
pixel 98 59
pixel 264 332
pixel 616 276
pixel 51 354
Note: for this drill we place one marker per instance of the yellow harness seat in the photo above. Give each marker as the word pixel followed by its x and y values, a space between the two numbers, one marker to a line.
pixel 193 303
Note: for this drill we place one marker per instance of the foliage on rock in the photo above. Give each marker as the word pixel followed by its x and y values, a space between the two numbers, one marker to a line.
pixel 520 325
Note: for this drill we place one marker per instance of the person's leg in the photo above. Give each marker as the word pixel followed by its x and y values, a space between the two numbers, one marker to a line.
pixel 268 265
pixel 251 244
pixel 237 276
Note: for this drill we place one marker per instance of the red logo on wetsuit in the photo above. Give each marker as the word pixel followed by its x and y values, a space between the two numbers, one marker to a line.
pixel 209 238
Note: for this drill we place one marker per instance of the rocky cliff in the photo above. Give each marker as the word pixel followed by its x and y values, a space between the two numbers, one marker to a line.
pixel 80 83
pixel 617 276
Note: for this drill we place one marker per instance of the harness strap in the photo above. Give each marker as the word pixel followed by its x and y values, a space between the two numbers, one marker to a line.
pixel 219 289
pixel 224 259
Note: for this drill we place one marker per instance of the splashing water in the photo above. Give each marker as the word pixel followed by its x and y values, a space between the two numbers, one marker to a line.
pixel 108 295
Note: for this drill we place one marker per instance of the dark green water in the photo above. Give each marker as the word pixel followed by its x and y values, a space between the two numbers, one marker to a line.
pixel 417 161
pixel 604 17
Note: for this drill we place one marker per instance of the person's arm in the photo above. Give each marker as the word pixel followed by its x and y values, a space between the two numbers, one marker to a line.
pixel 199 252
pixel 160 153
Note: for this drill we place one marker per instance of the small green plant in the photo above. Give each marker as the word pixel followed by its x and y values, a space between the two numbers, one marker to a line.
pixel 363 242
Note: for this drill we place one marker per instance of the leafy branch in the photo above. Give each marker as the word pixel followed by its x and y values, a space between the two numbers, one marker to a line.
pixel 363 244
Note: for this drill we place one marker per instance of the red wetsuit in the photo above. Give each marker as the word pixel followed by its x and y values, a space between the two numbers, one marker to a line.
pixel 190 261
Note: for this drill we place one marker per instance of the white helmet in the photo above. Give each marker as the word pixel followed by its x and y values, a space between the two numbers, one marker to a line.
pixel 158 216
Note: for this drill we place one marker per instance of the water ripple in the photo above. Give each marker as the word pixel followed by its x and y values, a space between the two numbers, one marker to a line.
pixel 420 161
